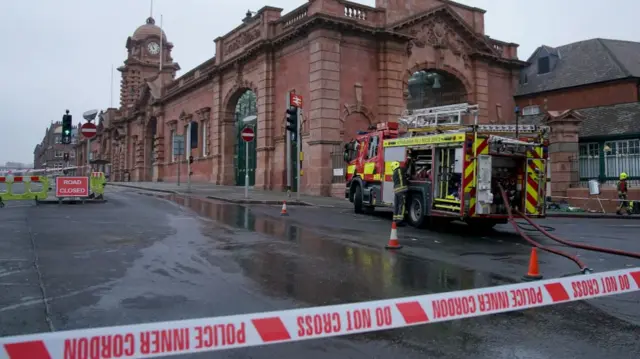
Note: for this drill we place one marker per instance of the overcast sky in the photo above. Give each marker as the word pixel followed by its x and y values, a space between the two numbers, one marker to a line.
pixel 58 54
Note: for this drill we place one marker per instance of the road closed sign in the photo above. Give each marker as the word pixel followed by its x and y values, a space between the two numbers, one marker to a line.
pixel 72 187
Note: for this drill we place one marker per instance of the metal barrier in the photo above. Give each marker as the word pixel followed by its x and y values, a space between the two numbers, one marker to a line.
pixel 28 194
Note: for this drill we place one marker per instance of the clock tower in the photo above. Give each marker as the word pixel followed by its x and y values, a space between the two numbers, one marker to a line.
pixel 148 57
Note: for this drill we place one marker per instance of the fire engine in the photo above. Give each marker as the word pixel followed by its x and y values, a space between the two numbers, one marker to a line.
pixel 454 169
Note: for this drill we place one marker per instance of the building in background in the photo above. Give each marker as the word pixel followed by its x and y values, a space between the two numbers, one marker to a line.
pixel 49 153
pixel 591 89
pixel 354 65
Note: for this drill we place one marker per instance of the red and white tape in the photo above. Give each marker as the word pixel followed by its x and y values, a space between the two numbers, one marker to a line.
pixel 220 333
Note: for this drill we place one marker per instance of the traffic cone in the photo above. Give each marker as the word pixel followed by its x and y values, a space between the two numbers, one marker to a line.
pixel 393 238
pixel 284 209
pixel 534 271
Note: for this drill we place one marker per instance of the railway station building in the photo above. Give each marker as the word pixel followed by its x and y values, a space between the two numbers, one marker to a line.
pixel 353 65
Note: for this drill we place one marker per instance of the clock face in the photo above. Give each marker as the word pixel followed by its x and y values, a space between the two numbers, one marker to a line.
pixel 153 48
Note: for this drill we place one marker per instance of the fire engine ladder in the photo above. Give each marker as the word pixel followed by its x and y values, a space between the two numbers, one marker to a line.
pixel 443 118
pixel 449 118
pixel 512 128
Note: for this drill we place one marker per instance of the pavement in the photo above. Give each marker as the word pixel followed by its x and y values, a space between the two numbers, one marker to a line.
pixel 235 194
pixel 147 256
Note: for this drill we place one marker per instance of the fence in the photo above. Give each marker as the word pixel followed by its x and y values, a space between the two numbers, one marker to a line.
pixel 338 165
pixel 605 161
pixel 11 193
pixel 43 186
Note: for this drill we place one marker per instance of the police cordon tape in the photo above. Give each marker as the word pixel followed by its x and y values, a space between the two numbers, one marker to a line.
pixel 238 331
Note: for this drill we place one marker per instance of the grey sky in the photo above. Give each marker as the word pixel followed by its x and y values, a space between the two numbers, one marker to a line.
pixel 58 54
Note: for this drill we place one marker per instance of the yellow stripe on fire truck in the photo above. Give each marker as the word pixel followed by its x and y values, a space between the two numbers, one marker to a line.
pixel 481 146
pixel 369 168
pixel 535 169
pixel 424 140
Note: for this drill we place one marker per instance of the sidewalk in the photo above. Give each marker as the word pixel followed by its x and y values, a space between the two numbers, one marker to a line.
pixel 235 194
pixel 558 214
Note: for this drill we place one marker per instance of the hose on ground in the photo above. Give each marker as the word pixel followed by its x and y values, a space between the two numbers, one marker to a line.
pixel 511 220
pixel 579 245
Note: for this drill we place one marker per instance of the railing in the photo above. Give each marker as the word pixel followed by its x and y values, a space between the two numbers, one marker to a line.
pixel 338 165
pixel 295 16
pixel 355 12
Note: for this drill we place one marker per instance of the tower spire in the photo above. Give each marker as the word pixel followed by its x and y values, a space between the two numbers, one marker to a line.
pixel 151 9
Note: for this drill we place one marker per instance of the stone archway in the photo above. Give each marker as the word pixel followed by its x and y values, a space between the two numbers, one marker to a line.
pixel 355 118
pixel 150 132
pixel 430 88
pixel 429 84
pixel 241 103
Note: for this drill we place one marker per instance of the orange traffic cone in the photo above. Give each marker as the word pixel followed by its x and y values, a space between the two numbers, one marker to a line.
pixel 534 271
pixel 393 238
pixel 284 209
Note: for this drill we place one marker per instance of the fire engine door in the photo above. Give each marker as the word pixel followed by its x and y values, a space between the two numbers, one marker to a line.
pixel 449 179
pixel 483 186
pixel 372 171
pixel 536 171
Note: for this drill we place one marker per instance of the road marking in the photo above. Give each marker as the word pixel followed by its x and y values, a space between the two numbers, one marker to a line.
pixel 5 274
pixel 50 299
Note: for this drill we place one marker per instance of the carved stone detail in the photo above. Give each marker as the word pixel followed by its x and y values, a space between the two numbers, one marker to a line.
pixel 185 117
pixel 242 40
pixel 358 93
pixel 437 33
pixel 203 113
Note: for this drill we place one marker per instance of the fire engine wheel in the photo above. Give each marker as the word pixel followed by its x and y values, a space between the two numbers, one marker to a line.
pixel 416 212
pixel 357 200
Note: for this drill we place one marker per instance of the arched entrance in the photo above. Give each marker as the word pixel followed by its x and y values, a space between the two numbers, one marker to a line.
pixel 430 88
pixel 149 156
pixel 245 106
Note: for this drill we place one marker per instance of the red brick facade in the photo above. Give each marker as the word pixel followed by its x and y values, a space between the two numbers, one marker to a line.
pixel 351 63
pixel 594 95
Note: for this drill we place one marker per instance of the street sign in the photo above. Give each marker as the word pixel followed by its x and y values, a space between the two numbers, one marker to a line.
pixel 248 134
pixel 178 145
pixel 88 130
pixel 72 187
pixel 295 100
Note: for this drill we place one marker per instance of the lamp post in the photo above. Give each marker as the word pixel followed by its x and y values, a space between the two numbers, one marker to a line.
pixel 249 120
pixel 517 112
pixel 89 116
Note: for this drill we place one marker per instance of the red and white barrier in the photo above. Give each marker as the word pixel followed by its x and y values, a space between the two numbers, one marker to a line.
pixel 237 331
pixel 19 179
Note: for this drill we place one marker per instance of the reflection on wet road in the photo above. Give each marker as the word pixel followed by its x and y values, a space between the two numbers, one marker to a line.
pixel 141 259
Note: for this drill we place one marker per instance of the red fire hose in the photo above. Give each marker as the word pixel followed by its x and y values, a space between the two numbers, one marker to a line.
pixel 575 259
pixel 578 245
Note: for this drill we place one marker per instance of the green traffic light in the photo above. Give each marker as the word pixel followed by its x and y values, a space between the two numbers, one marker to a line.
pixel 66 132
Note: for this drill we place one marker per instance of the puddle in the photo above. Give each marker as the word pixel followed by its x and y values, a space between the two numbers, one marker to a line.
pixel 301 263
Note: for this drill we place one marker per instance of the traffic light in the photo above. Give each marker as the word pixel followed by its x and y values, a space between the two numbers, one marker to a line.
pixel 66 157
pixel 190 159
pixel 292 121
pixel 66 128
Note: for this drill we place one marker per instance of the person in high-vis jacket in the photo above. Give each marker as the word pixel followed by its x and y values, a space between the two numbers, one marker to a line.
pixel 623 188
pixel 400 192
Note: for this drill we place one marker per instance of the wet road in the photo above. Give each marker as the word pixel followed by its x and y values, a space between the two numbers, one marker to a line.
pixel 139 258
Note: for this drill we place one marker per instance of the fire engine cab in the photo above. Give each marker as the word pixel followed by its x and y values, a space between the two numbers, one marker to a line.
pixel 453 169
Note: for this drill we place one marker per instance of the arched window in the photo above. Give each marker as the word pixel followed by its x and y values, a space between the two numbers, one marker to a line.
pixel 429 88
